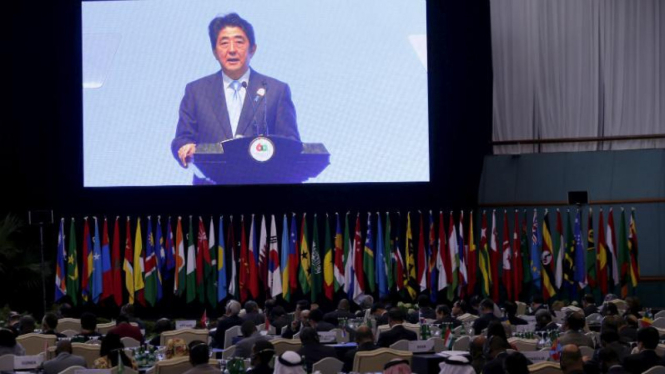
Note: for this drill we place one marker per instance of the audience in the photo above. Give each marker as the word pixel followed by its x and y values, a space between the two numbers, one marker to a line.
pixel 14 322
pixel 229 320
pixel 544 321
pixel 379 313
pixel 312 349
pixel 645 357
pixel 537 303
pixel 278 318
pixel 571 360
pixel 486 316
pixel 300 319
pixel 26 325
pixel 424 310
pixel 511 314
pixel 262 353
pixel 250 336
pixel 443 315
pixel 252 313
pixel 63 359
pixel 610 362
pixel 88 328
pixel 199 355
pixel 49 324
pixel 124 329
pixel 495 353
pixel 162 325
pixel 110 350
pixel 365 341
pixel 289 363
pixel 477 355
pixel 8 344
pixel 317 323
pixel 397 366
pixel 128 310
pixel 573 331
pixel 342 311
pixel 397 331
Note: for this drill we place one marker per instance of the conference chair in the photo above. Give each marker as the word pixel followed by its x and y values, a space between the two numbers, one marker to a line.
pixel 188 335
pixel 68 324
pixel 594 319
pixel 462 344
pixel 176 365
pixel 545 367
pixel 130 342
pixel 89 352
pixel 622 305
pixel 660 350
pixel 328 365
pixel 69 332
pixel 457 331
pixel 374 361
pixel 35 343
pixel 658 369
pixel 230 334
pixel 439 344
pixel 7 363
pixel 72 369
pixel 658 323
pixel 104 328
pixel 524 345
pixel 271 329
pixel 283 345
pixel 660 314
pixel 415 327
pixel 400 345
pixel 521 307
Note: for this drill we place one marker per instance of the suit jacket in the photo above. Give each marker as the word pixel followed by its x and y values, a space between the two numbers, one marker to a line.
pixel 482 322
pixel 575 337
pixel 255 317
pixel 316 352
pixel 244 346
pixel 495 365
pixel 204 117
pixel 425 312
pixel 397 332
pixel 332 317
pixel 126 330
pixel 641 362
pixel 590 309
pixel 62 362
pixel 203 369
pixel 223 325
pixel 351 354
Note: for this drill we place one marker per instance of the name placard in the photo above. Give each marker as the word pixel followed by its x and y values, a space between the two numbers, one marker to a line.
pixel 327 336
pixel 421 346
pixel 27 362
pixel 186 324
pixel 537 356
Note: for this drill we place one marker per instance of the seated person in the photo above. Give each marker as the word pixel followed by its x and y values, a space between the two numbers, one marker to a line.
pixel 486 316
pixel 162 325
pixel 300 319
pixel 14 322
pixel 262 353
pixel 230 319
pixel 8 344
pixel 252 313
pixel 365 341
pixel 443 316
pixel 397 366
pixel 49 324
pixel 124 329
pixel 516 363
pixel 110 350
pixel 342 311
pixel 289 362
pixel 176 347
pixel 495 354
pixel 26 325
pixel 459 307
pixel 544 321
pixel 646 357
pixel 250 336
pixel 379 313
pixel 88 329
pixel 537 303
pixel 477 355
pixel 573 331
pixel 199 355
pixel 317 323
pixel 397 331
pixel 312 349
pixel 511 314
pixel 63 359
pixel 571 359
pixel 589 305
pixel 424 311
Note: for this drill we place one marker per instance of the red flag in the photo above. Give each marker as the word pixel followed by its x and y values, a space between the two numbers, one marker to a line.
pixel 294 256
pixel 204 320
pixel 358 248
pixel 423 271
pixel 201 247
pixel 107 276
pixel 116 263
pixel 128 263
pixel 244 263
pixel 507 258
pixel 472 258
pixel 518 275
pixel 264 241
pixel 253 274
pixel 399 260
pixel 87 262
pixel 601 256
pixel 494 258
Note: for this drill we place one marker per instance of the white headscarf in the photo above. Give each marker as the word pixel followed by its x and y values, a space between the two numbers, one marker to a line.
pixel 289 363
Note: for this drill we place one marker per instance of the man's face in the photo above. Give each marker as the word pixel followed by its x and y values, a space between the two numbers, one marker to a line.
pixel 233 51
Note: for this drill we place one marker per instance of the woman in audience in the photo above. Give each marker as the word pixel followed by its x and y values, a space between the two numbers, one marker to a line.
pixel 110 351
pixel 8 344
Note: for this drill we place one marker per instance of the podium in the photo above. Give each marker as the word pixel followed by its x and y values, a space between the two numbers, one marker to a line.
pixel 235 161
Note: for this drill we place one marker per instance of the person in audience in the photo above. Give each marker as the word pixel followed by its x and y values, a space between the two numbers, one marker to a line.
pixel 8 344
pixel 397 366
pixel 477 355
pixel 537 303
pixel 544 321
pixel 496 328
pixel 252 313
pixel 250 336
pixel 634 307
pixel 109 352
pixel 88 328
pixel 317 323
pixel 516 363
pixel 628 330
pixel 124 329
pixel 26 325
pixel 443 315
pixel 128 310
pixel 609 309
pixel 511 314
pixel 474 305
pixel 573 331
pixel 312 349
pixel 230 319
pixel 289 362
pixel 646 357
pixel 297 324
pixel 609 362
pixel 63 359
pixel 459 308
pixel 14 322
pixel 342 311
pixel 365 305
pixel 424 311
pixel 397 331
pixel 558 305
pixel 609 339
pixel 278 318
pixel 495 353
pixel 49 324
pixel 162 325
pixel 571 360
pixel 609 297
pixel 199 355
pixel 589 305
pixel 365 341
pixel 456 364
pixel 262 354
pixel 380 313
pixel 268 305
pixel 486 316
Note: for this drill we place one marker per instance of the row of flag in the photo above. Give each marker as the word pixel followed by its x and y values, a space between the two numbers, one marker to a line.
pixel 374 259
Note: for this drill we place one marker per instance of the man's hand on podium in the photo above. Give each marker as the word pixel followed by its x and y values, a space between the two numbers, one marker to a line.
pixel 185 152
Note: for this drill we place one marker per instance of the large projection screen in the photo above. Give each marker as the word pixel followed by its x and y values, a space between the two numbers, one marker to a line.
pixel 357 72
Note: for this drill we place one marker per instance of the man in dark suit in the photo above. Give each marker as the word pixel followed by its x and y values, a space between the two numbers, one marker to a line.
pixel 397 331
pixel 224 105
pixel 486 316
pixel 365 340
pixel 646 358
pixel 312 349
pixel 252 313
pixel 573 329
pixel 227 321
pixel 571 360
pixel 342 311
pixel 49 324
pixel 424 310
pixel 443 316
pixel 495 353
pixel 317 323
pixel 380 314
pixel 589 305
pixel 64 359
pixel 250 336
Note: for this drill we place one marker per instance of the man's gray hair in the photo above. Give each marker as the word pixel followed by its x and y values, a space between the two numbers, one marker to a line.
pixel 233 307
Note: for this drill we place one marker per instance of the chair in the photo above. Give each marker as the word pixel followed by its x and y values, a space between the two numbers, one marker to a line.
pixel 660 350
pixel 415 327
pixel 457 331
pixel 559 316
pixel 373 361
pixel 34 343
pixel 660 314
pixel 69 333
pixel 659 323
pixel 188 335
pixel 521 307
pixel 229 352
pixel 594 319
pixel 126 370
pixel 68 324
pixel 90 352
pixel 586 351
pixel 524 345
pixel 130 342
pixel 328 365
pixel 283 345
pixel 176 365
pixel 622 305
pixel 104 328
pixel 379 330
pixel 462 344
pixel 466 317
pixel 94 342
pixel 7 363
pixel 400 345
pixel 658 369
pixel 229 334
pixel 271 330
pixel 545 367
pixel 439 344
pixel 72 369
pixel 296 335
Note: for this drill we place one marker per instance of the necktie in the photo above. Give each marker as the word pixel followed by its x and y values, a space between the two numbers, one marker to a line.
pixel 235 107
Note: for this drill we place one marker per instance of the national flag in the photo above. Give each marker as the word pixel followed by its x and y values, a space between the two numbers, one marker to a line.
pixel 472 259
pixel 253 274
pixel 60 282
pixel 190 288
pixel 518 274
pixel 421 255
pixel 382 265
pixel 624 256
pixel 107 270
pixel 494 257
pixel 160 256
pixel 127 264
pixel 243 269
pixel 305 271
pixel 328 268
pixel 210 272
pixel 612 248
pixel 286 289
pixel 535 253
pixel 150 267
pixel 97 267
pixel 448 339
pixel 453 255
pixel 358 269
pixel 633 251
pixel 139 265
pixel 569 261
pixel 410 283
pixel 484 258
pixel 559 250
pixel 442 258
pixel 388 246
pixel 463 276
pixel 369 262
pixel 524 244
pixel 263 254
pixel 507 276
pixel 203 261
pixel 86 280
pixel 547 272
pixel 601 255
pixel 274 272
pixel 294 255
pixel 317 272
pixel 397 256
pixel 72 266
pixel 222 289
pixel 590 252
pixel 203 322
pixel 580 266
pixel 116 262
pixel 338 270
pixel 170 252
pixel 349 282
pixel 231 243
pixel 180 280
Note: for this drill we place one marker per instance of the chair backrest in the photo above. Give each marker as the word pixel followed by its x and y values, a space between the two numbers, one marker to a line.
pixel 34 343
pixel 328 365
pixel 271 330
pixel 660 350
pixel 379 330
pixel 400 345
pixel 457 331
pixel 545 367
pixel 90 352
pixel 622 305
pixel 559 316
pixel 176 365
pixel 7 362
pixel 660 314
pixel 594 319
pixel 229 334
pixel 229 352
pixel 104 328
pixel 658 369
pixel 283 345
pixel 462 344
pixel 524 345
pixel 94 341
pixel 188 335
pixel 373 361
pixel 68 324
pixel 659 322
pixel 72 369
pixel 69 333
pixel 415 327
pixel 521 307
pixel 466 317
pixel 130 342
pixel 439 344
pixel 586 351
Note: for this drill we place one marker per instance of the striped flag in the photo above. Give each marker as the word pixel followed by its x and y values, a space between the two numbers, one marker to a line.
pixel 231 243
pixel 160 256
pixel 211 270
pixel 348 260
pixel 150 267
pixel 494 258
pixel 453 256
pixel 116 264
pixel 397 256
pixel 518 274
pixel 358 273
pixel 463 276
pixel 286 290
pixel 139 265
pixel 243 269
pixel 253 276
pixel 507 276
pixel 442 259
pixel 547 272
pixel 263 254
pixel 274 272
pixel 612 248
pixel 127 264
pixel 107 269
pixel 590 263
pixel 190 278
pixel 305 272
pixel 97 267
pixel 483 258
pixel 328 267
pixel 421 255
pixel 294 255
pixel 60 283
pixel 316 270
pixel 338 271
pixel 410 282
pixel 222 289
pixel 86 278
pixel 169 249
pixel 388 248
pixel 633 251
pixel 472 259
pixel 536 262
pixel 369 263
pixel 580 266
pixel 601 255
pixel 559 250
pixel 624 256
pixel 72 266
pixel 382 265
pixel 433 254
pixel 180 263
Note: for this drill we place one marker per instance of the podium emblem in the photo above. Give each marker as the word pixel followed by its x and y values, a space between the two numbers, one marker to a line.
pixel 261 149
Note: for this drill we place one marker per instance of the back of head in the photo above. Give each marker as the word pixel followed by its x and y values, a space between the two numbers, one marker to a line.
pixel 487 305
pixel 495 328
pixel 510 308
pixel 366 302
pixel 127 309
pixel 396 315
pixel 611 323
pixel 610 309
pixel 476 346
pixel 316 315
pixel 443 309
pixel 609 336
pixel 63 346
pixel 7 338
pixel 364 335
pixel 264 350
pixel 302 304
pixel 648 336
pixel 608 357
pixel 423 301
pixel 66 310
pixel 494 346
pixel 248 328
pixel 571 358
pixel 277 311
pixel 516 363
pixel 233 307
pixel 309 336
pixel 251 306
pixel 50 321
pixel 122 318
pixel 343 305
pixel 110 343
pixel 27 324
pixel 199 353
pixel 377 306
pixel 162 324
pixel 575 321
pixel 543 317
pixel 88 321
pixel 589 299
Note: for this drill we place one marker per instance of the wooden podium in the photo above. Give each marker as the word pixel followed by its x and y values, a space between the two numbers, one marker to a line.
pixel 231 162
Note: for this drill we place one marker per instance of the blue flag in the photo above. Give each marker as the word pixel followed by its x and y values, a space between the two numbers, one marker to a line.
pixel 170 252
pixel 381 267
pixel 221 263
pixel 284 260
pixel 431 255
pixel 160 256
pixel 97 266
pixel 60 281
pixel 580 268
pixel 536 263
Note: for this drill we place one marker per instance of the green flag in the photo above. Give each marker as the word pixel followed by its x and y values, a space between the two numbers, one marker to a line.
pixel 72 266
pixel 387 253
pixel 624 256
pixel 317 273
pixel 591 253
pixel 328 266
pixel 304 273
pixel 368 256
pixel 211 268
pixel 190 288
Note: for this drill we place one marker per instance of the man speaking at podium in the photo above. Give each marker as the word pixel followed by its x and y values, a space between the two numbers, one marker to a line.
pixel 236 101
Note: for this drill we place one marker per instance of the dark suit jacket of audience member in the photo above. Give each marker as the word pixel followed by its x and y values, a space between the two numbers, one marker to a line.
pixel 397 332
pixel 514 320
pixel 590 309
pixel 324 326
pixel 62 362
pixel 255 317
pixel 279 323
pixel 426 312
pixel 575 337
pixel 495 365
pixel 351 354
pixel 223 325
pixel 628 334
pixel 541 307
pixel 316 352
pixel 288 332
pixel 332 317
pixel 245 345
pixel 482 322
pixel 642 361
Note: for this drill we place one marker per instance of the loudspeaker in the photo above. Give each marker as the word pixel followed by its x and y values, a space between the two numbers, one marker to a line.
pixel 578 197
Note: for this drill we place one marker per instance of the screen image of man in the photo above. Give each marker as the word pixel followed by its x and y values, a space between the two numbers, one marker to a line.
pixel 236 101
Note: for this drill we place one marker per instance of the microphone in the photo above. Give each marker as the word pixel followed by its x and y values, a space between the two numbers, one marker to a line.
pixel 256 102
